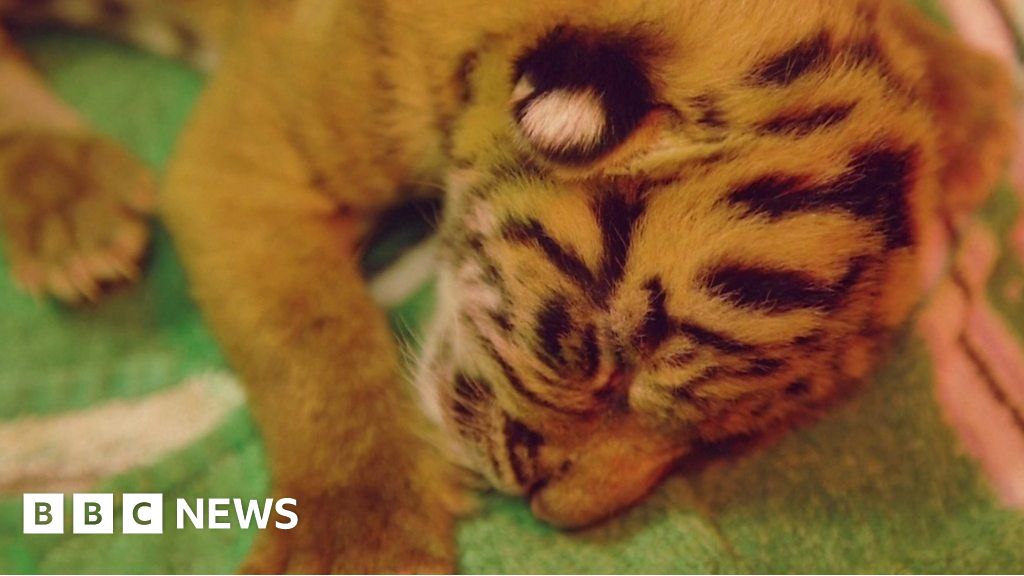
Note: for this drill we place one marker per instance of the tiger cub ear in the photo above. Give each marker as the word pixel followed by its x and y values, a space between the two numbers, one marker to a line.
pixel 971 96
pixel 580 93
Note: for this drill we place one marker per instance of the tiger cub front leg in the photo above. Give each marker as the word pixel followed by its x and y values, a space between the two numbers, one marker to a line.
pixel 272 262
pixel 73 205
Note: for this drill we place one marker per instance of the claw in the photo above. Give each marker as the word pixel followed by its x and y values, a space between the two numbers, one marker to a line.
pixel 59 284
pixel 82 279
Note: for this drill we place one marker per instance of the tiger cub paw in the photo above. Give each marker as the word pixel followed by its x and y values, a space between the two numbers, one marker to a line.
pixel 399 521
pixel 73 213
pixel 375 536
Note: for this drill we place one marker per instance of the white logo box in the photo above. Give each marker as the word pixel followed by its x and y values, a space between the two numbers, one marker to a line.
pixel 92 513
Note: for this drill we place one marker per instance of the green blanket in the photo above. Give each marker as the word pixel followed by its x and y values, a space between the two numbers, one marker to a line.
pixel 880 484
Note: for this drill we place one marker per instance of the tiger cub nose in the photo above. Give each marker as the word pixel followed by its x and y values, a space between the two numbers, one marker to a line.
pixel 580 92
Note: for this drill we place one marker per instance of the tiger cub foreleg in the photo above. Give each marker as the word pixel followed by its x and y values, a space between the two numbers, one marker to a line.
pixel 271 259
pixel 73 205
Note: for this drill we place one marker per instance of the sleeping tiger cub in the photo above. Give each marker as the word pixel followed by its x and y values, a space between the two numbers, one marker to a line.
pixel 667 224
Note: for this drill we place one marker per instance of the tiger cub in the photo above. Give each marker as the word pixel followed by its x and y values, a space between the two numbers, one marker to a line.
pixel 667 224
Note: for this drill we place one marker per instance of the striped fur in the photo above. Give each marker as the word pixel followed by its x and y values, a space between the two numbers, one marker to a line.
pixel 726 260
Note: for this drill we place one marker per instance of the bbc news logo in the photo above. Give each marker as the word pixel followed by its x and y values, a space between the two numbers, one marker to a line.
pixel 144 513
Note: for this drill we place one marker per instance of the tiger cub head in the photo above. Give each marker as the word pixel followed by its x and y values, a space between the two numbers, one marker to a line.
pixel 673 226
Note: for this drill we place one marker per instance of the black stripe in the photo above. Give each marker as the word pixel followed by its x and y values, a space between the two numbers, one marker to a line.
pixel 875 186
pixel 467 64
pixel 709 111
pixel 619 353
pixel 552 324
pixel 657 324
pixel 853 275
pixel 812 341
pixel 491 273
pixel 795 62
pixel 519 386
pixel 762 367
pixel 708 337
pixel 444 123
pixel 474 390
pixel 706 375
pixel 566 260
pixel 617 218
pixel 684 393
pixel 798 387
pixel 518 435
pixel 868 53
pixel 768 290
pixel 468 394
pixel 516 382
pixel 590 353
pixel 501 320
pixel 773 195
pixel 759 367
pixel 803 122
